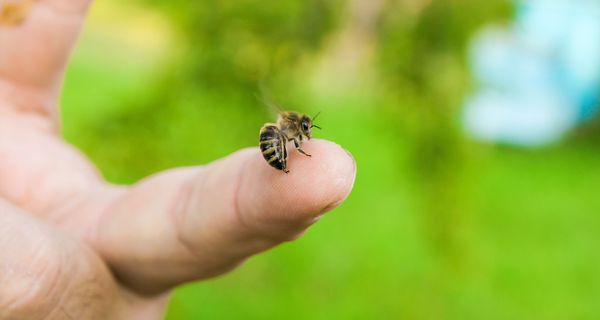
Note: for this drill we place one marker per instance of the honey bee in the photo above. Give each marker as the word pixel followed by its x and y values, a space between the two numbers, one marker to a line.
pixel 13 13
pixel 290 126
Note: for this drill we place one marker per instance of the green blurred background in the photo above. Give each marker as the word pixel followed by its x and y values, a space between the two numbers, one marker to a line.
pixel 437 227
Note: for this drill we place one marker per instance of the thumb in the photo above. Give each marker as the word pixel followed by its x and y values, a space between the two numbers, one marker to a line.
pixel 44 274
pixel 194 223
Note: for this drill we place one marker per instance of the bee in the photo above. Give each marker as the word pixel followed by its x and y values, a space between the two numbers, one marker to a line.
pixel 290 126
pixel 13 13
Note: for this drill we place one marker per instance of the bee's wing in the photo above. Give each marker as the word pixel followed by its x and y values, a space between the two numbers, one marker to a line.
pixel 267 99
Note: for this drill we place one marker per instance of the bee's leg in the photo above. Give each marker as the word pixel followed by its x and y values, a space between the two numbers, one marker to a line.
pixel 285 154
pixel 304 153
pixel 297 144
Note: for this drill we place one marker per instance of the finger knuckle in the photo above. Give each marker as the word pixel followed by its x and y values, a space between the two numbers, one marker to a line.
pixel 33 289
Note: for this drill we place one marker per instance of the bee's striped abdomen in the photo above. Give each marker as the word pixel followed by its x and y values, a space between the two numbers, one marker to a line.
pixel 272 146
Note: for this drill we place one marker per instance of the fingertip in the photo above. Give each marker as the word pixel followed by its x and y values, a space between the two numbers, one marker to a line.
pixel 313 185
pixel 326 179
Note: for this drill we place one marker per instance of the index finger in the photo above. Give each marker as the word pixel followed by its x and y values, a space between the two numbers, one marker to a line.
pixel 36 39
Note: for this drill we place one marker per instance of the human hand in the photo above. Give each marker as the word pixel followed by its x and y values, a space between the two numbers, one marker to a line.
pixel 73 246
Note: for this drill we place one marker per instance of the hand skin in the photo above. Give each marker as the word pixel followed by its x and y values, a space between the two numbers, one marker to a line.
pixel 73 246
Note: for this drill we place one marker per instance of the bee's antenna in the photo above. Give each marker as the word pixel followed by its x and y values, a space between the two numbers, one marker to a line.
pixel 316 115
pixel 316 126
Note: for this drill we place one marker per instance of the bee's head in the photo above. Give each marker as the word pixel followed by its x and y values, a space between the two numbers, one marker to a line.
pixel 306 124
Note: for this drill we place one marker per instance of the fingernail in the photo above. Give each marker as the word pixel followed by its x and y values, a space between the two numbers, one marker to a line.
pixel 351 157
pixel 355 168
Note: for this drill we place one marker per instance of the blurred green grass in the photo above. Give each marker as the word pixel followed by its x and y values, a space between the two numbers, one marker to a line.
pixel 437 227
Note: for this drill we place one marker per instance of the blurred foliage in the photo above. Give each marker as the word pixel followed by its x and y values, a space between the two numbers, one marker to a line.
pixel 244 42
pixel 437 227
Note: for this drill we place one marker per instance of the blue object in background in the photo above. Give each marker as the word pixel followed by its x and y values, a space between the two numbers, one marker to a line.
pixel 538 78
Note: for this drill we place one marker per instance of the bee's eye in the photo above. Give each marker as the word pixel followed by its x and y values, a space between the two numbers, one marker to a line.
pixel 305 126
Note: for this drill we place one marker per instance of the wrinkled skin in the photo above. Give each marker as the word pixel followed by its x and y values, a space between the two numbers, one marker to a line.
pixel 73 246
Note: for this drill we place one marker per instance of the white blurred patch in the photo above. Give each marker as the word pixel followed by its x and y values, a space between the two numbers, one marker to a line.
pixel 539 77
